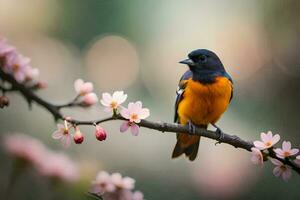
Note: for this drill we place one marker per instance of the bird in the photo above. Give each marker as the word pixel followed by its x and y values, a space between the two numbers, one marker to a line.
pixel 204 92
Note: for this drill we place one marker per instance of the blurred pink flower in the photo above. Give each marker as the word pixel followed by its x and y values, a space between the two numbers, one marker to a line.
pixel 4 47
pixel 133 127
pixel 45 161
pixel 286 150
pixel 297 161
pixel 89 99
pixel 78 136
pixel 257 157
pixel 102 184
pixel 281 169
pixel 31 74
pixel 63 134
pixel 82 88
pixel 135 113
pixel 122 183
pixel 268 140
pixel 115 187
pixel 58 166
pixel 137 195
pixel 112 102
pixel 16 64
pixel 100 133
pixel 24 147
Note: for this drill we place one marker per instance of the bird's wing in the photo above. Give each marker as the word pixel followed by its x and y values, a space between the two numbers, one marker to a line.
pixel 180 90
pixel 230 79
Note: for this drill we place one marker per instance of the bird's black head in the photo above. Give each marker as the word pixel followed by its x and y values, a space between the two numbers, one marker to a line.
pixel 204 64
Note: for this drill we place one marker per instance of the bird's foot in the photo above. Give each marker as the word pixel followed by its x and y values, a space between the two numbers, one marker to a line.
pixel 220 133
pixel 192 127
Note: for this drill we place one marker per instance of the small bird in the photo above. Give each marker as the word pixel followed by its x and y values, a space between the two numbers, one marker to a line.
pixel 204 92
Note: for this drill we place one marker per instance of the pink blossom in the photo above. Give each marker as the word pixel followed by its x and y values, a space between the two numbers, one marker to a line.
pixel 24 147
pixel 122 183
pixel 102 183
pixel 133 127
pixel 63 134
pixel 137 195
pixel 100 133
pixel 268 140
pixel 297 161
pixel 113 102
pixel 16 65
pixel 45 161
pixel 78 136
pixel 257 157
pixel 31 74
pixel 281 169
pixel 286 150
pixel 82 88
pixel 135 113
pixel 58 166
pixel 89 99
pixel 4 47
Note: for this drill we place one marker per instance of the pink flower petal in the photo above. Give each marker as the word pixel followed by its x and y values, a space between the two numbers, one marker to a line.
pixel 286 146
pixel 265 137
pixel 144 113
pixel 125 113
pixel 87 87
pixel 286 174
pixel 106 99
pixel 77 85
pixel 260 145
pixel 119 97
pixel 130 106
pixel 138 105
pixel 60 127
pixel 277 171
pixel 57 134
pixel 134 129
pixel 275 139
pixel 128 183
pixel 276 162
pixel 90 99
pixel 279 152
pixel 66 140
pixel 124 126
pixel 257 157
pixel 294 151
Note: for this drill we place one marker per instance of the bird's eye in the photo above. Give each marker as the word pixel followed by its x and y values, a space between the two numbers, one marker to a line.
pixel 202 58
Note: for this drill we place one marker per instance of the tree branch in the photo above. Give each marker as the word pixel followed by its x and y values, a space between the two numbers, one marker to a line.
pixel 232 140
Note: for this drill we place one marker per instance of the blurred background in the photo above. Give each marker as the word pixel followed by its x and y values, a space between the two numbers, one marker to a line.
pixel 135 46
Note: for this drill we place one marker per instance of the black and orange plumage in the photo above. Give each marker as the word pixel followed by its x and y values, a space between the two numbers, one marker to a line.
pixel 204 92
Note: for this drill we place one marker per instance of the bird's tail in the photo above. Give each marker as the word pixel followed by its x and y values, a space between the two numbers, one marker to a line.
pixel 190 151
pixel 188 145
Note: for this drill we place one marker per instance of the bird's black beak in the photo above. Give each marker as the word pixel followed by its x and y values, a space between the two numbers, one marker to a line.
pixel 188 62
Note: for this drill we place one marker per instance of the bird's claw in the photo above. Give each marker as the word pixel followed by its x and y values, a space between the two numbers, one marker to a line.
pixel 220 133
pixel 192 127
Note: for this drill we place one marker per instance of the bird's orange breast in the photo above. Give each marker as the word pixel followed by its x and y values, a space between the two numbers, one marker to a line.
pixel 204 103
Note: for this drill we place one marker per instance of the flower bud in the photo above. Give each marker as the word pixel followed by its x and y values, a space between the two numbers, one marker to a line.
pixel 89 99
pixel 4 101
pixel 100 133
pixel 78 136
